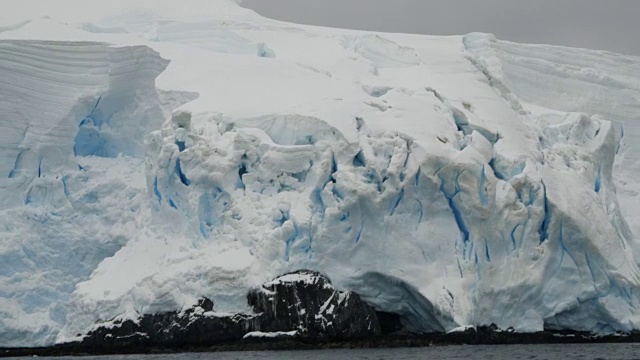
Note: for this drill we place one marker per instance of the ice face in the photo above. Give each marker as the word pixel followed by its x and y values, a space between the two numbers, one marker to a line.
pixel 70 196
pixel 152 157
pixel 551 80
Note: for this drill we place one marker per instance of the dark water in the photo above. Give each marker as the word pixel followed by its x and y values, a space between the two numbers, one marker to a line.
pixel 498 352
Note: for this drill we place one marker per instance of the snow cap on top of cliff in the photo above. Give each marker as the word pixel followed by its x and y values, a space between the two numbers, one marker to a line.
pixel 80 11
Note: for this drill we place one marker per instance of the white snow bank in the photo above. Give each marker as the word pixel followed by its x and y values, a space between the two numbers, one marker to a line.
pixel 271 335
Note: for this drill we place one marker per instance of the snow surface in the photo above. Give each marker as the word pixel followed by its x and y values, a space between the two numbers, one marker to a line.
pixel 277 334
pixel 154 152
pixel 305 278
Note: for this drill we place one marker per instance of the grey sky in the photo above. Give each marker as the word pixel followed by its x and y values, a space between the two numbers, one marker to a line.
pixel 612 25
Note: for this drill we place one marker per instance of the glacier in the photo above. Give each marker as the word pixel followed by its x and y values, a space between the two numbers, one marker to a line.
pixel 154 153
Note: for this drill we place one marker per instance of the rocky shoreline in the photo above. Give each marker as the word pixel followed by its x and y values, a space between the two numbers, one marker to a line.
pixel 297 311
pixel 481 336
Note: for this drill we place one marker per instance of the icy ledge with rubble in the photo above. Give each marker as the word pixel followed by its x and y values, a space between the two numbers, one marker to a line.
pixel 155 153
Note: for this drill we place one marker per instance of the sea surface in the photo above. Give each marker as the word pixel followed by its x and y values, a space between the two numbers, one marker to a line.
pixel 498 352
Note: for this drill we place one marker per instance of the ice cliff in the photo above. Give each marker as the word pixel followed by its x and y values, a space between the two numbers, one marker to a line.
pixel 155 152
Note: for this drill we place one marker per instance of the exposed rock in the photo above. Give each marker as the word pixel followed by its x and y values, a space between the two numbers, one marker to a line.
pixel 196 326
pixel 481 335
pixel 304 302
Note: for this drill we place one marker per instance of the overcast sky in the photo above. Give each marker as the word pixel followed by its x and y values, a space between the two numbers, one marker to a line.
pixel 612 25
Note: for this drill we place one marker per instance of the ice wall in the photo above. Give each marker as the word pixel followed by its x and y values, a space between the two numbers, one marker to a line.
pixel 72 119
pixel 444 241
pixel 427 174
pixel 563 79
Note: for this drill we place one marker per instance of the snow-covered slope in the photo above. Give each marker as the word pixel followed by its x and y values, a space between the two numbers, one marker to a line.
pixel 154 153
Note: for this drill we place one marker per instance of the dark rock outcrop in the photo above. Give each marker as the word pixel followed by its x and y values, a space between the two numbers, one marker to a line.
pixel 303 303
pixel 196 326
pixel 306 301
pixel 482 335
